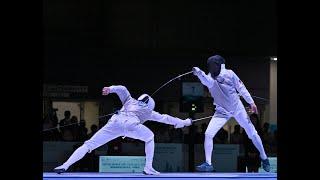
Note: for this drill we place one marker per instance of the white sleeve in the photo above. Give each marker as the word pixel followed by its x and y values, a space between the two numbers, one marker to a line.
pixel 241 88
pixel 121 91
pixel 164 118
pixel 205 79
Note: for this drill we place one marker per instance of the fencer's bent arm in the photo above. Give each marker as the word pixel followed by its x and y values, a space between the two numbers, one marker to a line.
pixel 121 91
pixel 241 88
pixel 205 79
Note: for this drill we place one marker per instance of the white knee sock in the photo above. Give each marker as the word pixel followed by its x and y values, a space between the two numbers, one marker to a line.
pixel 258 144
pixel 76 156
pixel 149 150
pixel 208 147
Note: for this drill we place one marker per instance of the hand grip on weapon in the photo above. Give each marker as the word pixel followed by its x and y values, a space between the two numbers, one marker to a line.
pixel 184 123
pixel 254 108
pixel 196 70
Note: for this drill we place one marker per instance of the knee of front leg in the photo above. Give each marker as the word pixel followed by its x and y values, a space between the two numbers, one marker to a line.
pixel 149 138
pixel 209 133
pixel 208 136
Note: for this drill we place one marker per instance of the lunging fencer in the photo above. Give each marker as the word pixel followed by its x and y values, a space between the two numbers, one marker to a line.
pixel 128 122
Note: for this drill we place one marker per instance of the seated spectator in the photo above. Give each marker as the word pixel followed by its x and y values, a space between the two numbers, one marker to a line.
pixel 94 129
pixel 266 137
pixel 186 135
pixel 236 136
pixel 51 132
pixel 83 131
pixel 65 121
pixel 67 135
pixel 252 155
pixel 74 127
pixel 200 134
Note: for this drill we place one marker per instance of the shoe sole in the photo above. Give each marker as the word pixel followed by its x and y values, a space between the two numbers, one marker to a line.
pixel 199 170
pixel 266 170
pixel 59 171
pixel 148 174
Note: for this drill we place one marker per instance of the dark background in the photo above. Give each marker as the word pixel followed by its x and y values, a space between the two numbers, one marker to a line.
pixel 142 44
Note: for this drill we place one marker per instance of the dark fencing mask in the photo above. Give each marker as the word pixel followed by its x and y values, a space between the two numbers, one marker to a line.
pixel 214 65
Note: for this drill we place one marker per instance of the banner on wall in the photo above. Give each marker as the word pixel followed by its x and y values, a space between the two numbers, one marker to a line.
pixel 64 91
pixel 133 164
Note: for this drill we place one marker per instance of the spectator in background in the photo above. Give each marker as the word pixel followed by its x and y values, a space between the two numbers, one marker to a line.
pixel 175 135
pixel 221 137
pixel 266 137
pixel 186 135
pixel 236 137
pixel 204 127
pixel 67 135
pixel 163 135
pixel 198 135
pixel 74 127
pixel 252 158
pixel 65 121
pixel 56 134
pixel 83 131
pixel 201 133
pixel 274 144
pixel 54 117
pixel 50 122
pixel 94 129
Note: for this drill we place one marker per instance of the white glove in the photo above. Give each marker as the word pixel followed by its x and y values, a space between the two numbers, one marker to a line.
pixel 196 71
pixel 183 123
pixel 188 122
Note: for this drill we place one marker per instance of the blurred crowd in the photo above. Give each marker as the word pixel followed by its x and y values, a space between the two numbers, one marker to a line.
pixel 67 129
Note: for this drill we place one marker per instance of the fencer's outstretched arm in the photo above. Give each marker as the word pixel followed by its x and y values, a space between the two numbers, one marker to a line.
pixel 120 90
pixel 241 88
pixel 167 119
pixel 205 79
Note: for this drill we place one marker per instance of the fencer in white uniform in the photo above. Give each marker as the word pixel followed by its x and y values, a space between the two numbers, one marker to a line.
pixel 224 86
pixel 128 122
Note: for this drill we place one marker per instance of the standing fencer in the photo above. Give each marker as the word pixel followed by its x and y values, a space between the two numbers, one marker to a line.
pixel 223 85
pixel 128 122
